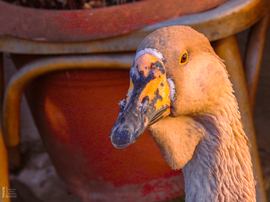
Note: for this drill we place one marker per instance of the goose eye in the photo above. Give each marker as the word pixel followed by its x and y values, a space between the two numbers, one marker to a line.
pixel 184 58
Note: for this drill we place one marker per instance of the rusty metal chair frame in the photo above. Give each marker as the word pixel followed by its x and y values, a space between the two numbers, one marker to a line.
pixel 219 25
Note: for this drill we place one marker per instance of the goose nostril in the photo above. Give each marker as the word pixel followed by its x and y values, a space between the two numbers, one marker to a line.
pixel 122 120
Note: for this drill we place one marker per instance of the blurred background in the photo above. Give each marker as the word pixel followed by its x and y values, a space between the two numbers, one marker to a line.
pixel 36 180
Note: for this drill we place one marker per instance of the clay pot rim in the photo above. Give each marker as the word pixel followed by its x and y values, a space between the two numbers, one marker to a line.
pixel 86 25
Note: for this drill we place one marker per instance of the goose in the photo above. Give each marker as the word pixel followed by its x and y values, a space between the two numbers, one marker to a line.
pixel 180 90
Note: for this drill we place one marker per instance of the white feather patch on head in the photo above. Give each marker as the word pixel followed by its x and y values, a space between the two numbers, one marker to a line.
pixel 151 51
pixel 172 88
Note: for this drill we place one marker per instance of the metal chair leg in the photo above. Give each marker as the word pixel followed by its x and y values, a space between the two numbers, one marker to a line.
pixel 253 57
pixel 4 181
pixel 228 50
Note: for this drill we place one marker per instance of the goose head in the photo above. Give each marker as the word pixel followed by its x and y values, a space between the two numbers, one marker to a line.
pixel 175 72
pixel 180 90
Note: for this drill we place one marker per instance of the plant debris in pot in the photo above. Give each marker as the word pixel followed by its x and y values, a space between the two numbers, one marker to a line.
pixel 69 4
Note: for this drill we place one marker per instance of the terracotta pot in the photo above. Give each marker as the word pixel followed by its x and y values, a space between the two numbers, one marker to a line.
pixel 74 112
pixel 92 24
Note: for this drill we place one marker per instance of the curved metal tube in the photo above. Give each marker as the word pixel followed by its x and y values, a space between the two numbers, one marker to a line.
pixel 34 69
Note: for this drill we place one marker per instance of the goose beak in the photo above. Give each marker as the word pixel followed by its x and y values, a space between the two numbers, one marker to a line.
pixel 147 101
